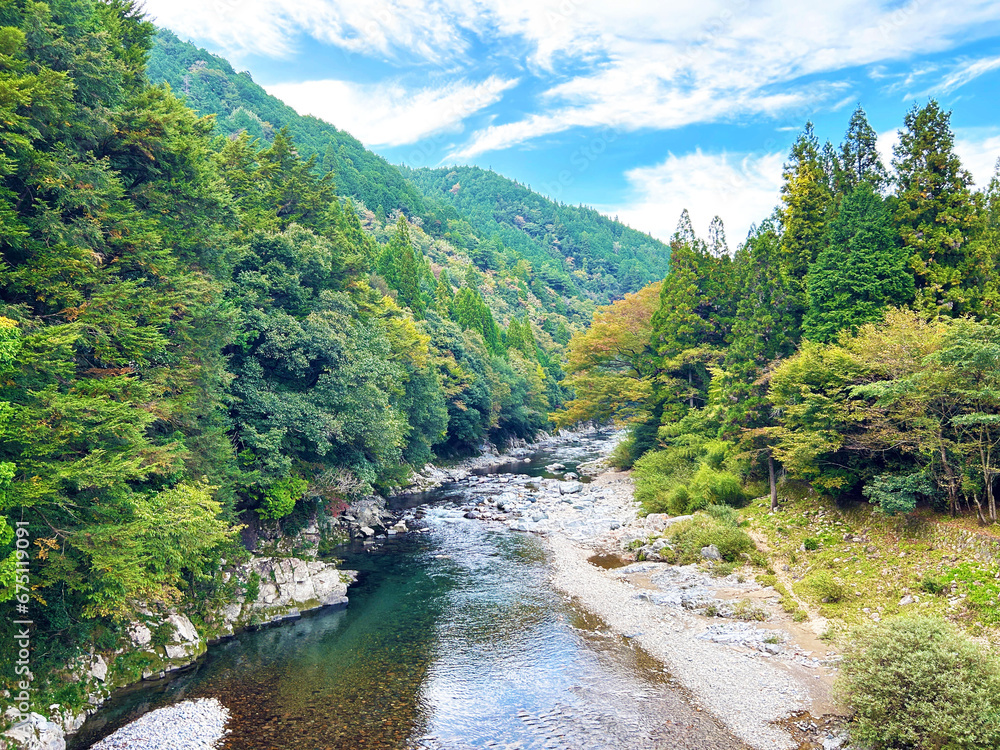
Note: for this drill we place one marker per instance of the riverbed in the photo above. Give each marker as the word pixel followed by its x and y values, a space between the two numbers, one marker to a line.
pixel 454 638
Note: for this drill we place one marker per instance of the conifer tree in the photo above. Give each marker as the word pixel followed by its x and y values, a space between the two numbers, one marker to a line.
pixel 398 266
pixel 859 157
pixel 936 214
pixel 807 203
pixel 717 246
pixel 862 270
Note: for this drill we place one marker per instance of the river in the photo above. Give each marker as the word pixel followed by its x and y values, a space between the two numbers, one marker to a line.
pixel 452 639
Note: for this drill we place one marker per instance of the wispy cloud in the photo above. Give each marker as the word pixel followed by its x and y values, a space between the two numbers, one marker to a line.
pixel 390 114
pixel 741 188
pixel 963 73
pixel 648 63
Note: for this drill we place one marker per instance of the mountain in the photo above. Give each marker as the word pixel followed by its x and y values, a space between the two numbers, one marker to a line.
pixel 604 256
pixel 571 251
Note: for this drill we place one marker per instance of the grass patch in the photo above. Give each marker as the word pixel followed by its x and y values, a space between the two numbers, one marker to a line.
pixel 825 587
pixel 981 589
pixel 749 611
pixel 878 560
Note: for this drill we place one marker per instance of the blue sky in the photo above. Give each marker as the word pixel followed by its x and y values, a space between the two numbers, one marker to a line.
pixel 638 108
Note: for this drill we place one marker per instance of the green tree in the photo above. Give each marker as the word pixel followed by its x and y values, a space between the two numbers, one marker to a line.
pixel 936 214
pixel 398 265
pixel 807 202
pixel 859 161
pixel 862 270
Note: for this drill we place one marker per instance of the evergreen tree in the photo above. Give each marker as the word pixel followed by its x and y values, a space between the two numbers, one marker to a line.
pixel 807 204
pixel 717 246
pixel 936 214
pixel 398 265
pixel 862 270
pixel 859 158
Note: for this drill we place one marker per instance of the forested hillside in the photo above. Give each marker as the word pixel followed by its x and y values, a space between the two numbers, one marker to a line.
pixel 197 332
pixel 573 256
pixel 849 345
pixel 600 254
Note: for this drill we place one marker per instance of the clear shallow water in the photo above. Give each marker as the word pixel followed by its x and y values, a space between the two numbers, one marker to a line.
pixel 452 640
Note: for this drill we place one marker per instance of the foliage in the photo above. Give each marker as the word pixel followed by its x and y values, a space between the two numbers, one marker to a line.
pixel 826 587
pixel 862 271
pixel 919 682
pixel 608 363
pixel 705 529
pixel 936 214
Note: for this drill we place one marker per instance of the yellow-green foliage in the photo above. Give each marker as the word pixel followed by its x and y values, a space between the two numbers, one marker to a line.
pixel 917 682
pixel 687 477
pixel 719 527
pixel 826 587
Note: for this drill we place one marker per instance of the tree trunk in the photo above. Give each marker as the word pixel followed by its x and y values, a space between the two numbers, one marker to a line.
pixel 991 501
pixel 979 508
pixel 774 484
pixel 952 484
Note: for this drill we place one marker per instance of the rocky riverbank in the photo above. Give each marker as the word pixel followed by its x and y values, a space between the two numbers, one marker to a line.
pixel 266 591
pixel 725 638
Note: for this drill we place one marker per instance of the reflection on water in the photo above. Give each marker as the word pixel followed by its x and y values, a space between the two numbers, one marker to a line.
pixel 452 639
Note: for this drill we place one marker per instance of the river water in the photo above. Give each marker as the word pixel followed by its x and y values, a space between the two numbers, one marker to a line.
pixel 453 639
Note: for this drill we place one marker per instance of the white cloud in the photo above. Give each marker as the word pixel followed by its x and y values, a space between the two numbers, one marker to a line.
pixel 389 114
pixel 649 63
pixel 979 149
pixel 742 189
pixel 886 143
pixel 270 27
pixel 965 72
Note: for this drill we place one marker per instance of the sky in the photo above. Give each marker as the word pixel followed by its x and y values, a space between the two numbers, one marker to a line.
pixel 638 108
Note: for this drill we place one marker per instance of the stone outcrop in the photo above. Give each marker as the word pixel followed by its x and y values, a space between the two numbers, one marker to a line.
pixel 269 590
pixel 36 733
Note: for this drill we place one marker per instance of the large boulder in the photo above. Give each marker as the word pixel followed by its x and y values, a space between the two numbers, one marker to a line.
pixel 569 488
pixel 37 733
pixel 711 552
pixel 185 643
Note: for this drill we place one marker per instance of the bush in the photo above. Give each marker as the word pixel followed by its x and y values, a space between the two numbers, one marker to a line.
pixel 678 501
pixel 688 537
pixel 714 487
pixel 623 456
pixel 724 514
pixel 918 682
pixel 826 587
pixel 810 543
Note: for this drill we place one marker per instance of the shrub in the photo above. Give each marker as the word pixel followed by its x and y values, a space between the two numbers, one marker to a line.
pixel 717 487
pixel 932 585
pixel 918 682
pixel 749 611
pixel 688 538
pixel 724 514
pixel 678 501
pixel 623 456
pixel 826 587
pixel 810 543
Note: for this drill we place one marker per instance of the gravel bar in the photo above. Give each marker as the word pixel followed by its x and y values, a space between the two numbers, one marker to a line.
pixel 189 725
pixel 746 694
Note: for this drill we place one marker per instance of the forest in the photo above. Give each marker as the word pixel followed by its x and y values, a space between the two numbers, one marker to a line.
pixel 849 344
pixel 205 324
